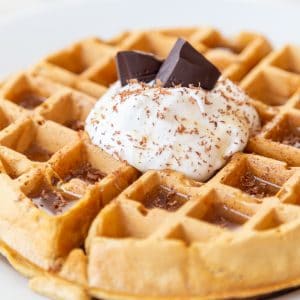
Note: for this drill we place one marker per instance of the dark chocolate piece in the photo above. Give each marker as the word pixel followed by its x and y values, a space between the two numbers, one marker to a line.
pixel 186 66
pixel 136 65
pixel 75 124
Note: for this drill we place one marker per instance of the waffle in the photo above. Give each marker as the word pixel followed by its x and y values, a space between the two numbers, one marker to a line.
pixel 88 65
pixel 159 235
pixel 42 148
pixel 278 104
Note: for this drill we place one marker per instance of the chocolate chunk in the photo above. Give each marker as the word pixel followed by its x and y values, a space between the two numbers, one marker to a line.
pixel 186 66
pixel 136 65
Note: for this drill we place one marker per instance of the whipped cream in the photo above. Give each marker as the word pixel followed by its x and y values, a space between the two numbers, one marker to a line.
pixel 190 130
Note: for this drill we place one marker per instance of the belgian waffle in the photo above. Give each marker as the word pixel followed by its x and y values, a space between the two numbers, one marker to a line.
pixel 119 235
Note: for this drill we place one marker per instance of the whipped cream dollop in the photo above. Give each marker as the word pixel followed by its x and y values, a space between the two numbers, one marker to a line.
pixel 190 130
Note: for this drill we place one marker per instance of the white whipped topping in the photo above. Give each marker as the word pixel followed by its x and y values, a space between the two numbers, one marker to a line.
pixel 189 130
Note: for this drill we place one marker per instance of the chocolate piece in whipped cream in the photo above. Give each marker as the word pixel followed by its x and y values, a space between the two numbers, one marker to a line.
pixel 186 66
pixel 136 65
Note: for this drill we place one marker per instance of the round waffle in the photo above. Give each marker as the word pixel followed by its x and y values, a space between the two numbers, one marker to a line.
pixel 158 235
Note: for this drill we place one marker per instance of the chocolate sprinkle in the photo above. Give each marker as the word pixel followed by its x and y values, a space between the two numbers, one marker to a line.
pixel 30 100
pixel 136 65
pixel 86 172
pixel 164 198
pixel 185 66
pixel 256 186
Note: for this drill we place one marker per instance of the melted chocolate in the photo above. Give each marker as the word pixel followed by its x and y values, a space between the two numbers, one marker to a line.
pixel 291 139
pixel 256 186
pixel 37 153
pixel 225 217
pixel 51 200
pixel 164 198
pixel 30 100
pixel 76 125
pixel 85 172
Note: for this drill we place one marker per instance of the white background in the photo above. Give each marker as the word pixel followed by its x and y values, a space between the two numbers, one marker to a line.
pixel 31 28
pixel 51 24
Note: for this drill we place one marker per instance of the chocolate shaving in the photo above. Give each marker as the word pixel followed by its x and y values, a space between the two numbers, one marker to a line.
pixel 36 153
pixel 257 187
pixel 164 198
pixel 291 139
pixel 85 172
pixel 51 200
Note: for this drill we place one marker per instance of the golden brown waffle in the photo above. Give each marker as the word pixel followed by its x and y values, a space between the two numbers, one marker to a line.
pixel 90 62
pixel 40 150
pixel 274 86
pixel 198 243
pixel 200 249
pixel 163 236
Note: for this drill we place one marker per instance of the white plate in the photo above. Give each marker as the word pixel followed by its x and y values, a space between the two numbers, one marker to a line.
pixel 29 35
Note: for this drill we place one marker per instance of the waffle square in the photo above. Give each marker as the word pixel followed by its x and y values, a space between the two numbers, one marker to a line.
pixel 274 84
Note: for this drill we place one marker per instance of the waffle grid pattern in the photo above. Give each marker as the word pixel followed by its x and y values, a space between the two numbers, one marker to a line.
pixel 274 85
pixel 221 209
pixel 41 143
pixel 253 197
